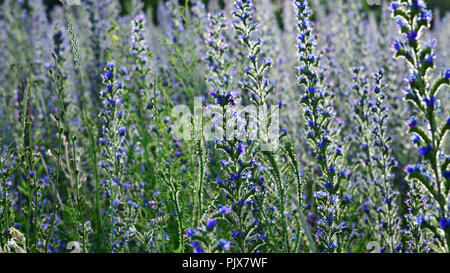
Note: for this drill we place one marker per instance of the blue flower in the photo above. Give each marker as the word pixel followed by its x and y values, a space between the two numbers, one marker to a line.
pixel 224 210
pixel 397 45
pixel 415 139
pixel 412 35
pixel 122 130
pixel 444 223
pixel 225 163
pixel 418 4
pixel 123 70
pixel 413 122
pixel 420 220
pixel 412 169
pixel 400 23
pixel 411 79
pixel 426 15
pixel 107 75
pixel 301 37
pixel 446 174
pixel 211 223
pixel 430 57
pixel 331 169
pixel 235 233
pixel 190 232
pixel 394 6
pixel 197 247
pixel 224 244
pixel 424 151
pixel 430 101
pixel 240 148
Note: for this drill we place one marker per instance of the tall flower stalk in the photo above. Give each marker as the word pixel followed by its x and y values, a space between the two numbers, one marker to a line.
pixel 236 164
pixel 387 197
pixel 259 88
pixel 143 98
pixel 113 142
pixel 319 117
pixel 429 131
pixel 375 160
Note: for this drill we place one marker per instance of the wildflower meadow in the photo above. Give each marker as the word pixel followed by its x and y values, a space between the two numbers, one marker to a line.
pixel 247 126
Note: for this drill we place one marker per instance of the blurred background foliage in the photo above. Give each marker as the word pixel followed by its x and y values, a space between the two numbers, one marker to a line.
pixel 442 5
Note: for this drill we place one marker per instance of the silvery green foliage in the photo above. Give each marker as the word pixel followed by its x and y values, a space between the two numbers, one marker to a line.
pixel 87 153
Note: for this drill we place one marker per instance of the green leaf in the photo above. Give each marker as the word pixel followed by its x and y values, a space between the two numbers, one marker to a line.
pixel 401 13
pixel 421 133
pixel 439 83
pixel 423 180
